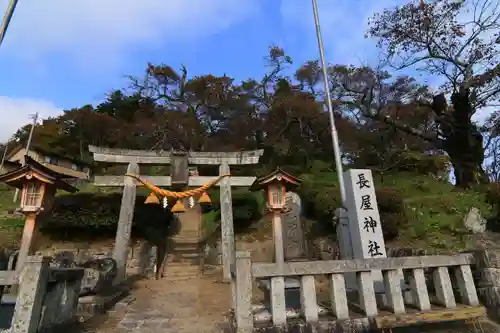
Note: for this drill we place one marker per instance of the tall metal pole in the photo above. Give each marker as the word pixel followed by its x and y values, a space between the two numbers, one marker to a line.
pixel 30 137
pixel 28 146
pixel 333 129
pixel 6 19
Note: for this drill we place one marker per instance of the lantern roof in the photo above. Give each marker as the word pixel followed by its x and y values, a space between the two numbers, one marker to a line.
pixel 32 169
pixel 277 175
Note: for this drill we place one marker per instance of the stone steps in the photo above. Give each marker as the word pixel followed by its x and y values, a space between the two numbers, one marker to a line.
pixel 179 278
pixel 184 255
pixel 195 262
pixel 182 235
pixel 185 245
pixel 174 267
pixel 184 252
pixel 191 260
pixel 185 240
pixel 187 236
pixel 181 271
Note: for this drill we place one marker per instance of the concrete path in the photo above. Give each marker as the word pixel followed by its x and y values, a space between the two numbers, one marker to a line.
pixel 184 301
pixel 190 306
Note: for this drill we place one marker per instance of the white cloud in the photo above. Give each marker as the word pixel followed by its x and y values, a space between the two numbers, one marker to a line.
pixel 97 31
pixel 96 35
pixel 16 113
pixel 343 26
pixel 483 114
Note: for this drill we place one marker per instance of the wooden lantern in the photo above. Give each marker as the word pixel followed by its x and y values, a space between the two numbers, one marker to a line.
pixel 276 195
pixel 38 185
pixel 275 185
pixel 32 194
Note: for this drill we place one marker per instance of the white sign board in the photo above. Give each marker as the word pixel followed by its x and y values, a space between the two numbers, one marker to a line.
pixel 367 240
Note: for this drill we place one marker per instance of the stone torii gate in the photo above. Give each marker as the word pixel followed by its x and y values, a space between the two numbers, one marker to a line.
pixel 135 157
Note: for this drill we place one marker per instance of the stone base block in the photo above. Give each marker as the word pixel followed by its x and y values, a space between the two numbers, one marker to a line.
pixel 90 305
pixel 262 315
pixel 490 297
pixel 323 326
pixel 489 277
pixel 489 258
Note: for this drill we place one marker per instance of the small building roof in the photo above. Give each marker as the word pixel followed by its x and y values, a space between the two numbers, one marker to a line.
pixel 16 177
pixel 277 175
pixel 12 164
pixel 46 152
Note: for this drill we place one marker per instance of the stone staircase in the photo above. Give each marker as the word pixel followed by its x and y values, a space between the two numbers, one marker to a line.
pixel 184 254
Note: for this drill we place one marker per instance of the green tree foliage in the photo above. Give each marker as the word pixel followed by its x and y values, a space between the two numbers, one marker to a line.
pixel 386 120
pixel 280 113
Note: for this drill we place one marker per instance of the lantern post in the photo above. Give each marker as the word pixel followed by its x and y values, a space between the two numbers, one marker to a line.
pixel 38 185
pixel 275 185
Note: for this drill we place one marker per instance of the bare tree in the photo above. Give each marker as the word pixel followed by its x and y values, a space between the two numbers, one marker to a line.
pixel 457 44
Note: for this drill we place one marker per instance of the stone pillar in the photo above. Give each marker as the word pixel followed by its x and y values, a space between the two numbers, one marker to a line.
pixel 120 251
pixel 488 287
pixel 294 242
pixel 28 310
pixel 279 250
pixel 366 237
pixel 227 227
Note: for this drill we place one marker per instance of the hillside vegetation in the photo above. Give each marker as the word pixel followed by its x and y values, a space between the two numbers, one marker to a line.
pixel 411 134
pixel 416 211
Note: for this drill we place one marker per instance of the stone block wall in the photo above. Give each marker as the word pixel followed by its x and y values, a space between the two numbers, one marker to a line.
pixel 141 254
pixel 142 259
pixel 488 280
pixel 409 252
pixel 263 250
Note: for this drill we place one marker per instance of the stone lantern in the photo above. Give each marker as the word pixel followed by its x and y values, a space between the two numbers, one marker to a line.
pixel 275 186
pixel 38 185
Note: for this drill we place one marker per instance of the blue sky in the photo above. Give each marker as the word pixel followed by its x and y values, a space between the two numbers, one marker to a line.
pixel 63 54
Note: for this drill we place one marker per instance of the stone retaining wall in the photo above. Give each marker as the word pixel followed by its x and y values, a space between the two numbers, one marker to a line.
pixel 488 280
pixel 411 252
pixel 263 250
pixel 141 256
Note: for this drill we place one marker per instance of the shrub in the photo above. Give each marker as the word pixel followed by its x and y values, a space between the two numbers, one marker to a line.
pixel 98 214
pixel 247 207
pixel 320 202
pixel 392 212
pixel 422 163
